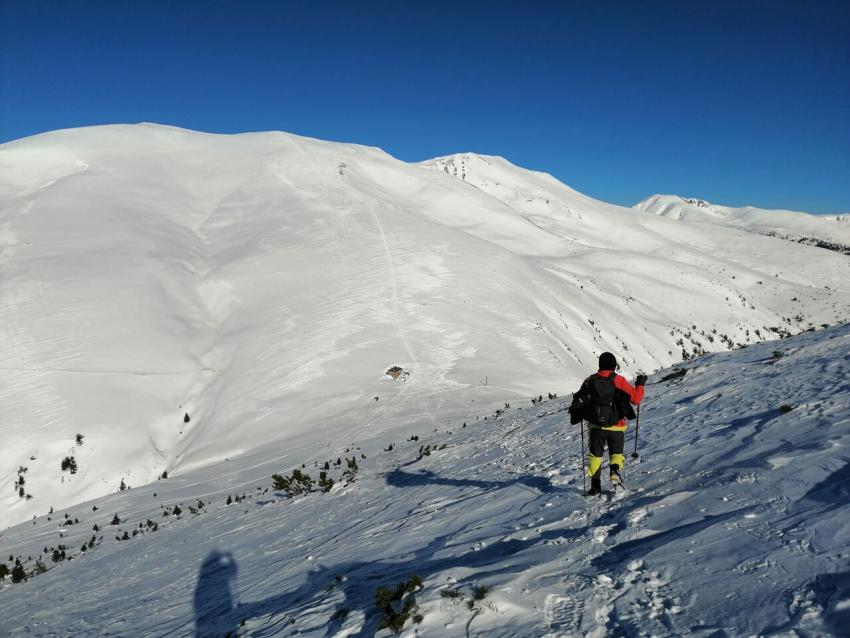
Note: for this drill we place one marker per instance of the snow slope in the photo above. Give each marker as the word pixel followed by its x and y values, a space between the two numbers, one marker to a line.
pixel 262 285
pixel 736 523
pixel 825 231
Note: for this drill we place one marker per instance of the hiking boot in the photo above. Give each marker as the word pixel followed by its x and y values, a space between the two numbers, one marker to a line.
pixel 615 477
pixel 595 487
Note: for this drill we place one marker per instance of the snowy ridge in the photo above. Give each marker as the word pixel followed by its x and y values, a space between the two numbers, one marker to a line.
pixel 824 231
pixel 535 194
pixel 736 523
pixel 263 284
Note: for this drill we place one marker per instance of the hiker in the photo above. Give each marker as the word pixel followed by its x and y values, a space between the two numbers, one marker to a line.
pixel 604 401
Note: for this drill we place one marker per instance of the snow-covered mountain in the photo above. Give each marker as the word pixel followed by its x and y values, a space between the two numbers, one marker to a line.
pixel 737 523
pixel 825 231
pixel 182 300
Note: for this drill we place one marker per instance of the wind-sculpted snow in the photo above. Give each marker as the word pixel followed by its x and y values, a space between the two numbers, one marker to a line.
pixel 737 522
pixel 261 285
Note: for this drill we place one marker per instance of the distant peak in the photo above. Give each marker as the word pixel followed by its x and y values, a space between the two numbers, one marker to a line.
pixel 468 157
pixel 462 164
pixel 677 205
pixel 693 201
pixel 484 168
pixel 457 163
pixel 699 203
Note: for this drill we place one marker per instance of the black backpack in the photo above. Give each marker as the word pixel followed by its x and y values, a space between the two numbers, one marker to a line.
pixel 596 402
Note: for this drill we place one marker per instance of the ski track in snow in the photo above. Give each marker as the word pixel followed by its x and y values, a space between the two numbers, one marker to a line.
pixel 735 523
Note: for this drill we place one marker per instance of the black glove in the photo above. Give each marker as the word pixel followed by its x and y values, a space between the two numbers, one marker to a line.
pixel 641 380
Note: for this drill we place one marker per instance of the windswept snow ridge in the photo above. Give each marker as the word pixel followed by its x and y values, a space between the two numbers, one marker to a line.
pixel 181 300
pixel 824 231
pixel 737 522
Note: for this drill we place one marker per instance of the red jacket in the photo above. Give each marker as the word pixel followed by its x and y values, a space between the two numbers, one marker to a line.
pixel 635 394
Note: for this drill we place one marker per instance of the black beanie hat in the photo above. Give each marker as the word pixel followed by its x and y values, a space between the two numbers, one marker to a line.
pixel 607 361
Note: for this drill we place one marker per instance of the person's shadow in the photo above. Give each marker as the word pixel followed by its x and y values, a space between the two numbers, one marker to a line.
pixel 219 614
pixel 215 608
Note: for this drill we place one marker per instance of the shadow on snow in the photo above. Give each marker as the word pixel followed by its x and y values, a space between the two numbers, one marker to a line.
pixel 400 478
pixel 335 592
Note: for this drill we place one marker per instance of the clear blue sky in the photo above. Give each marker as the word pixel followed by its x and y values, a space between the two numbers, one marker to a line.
pixel 742 102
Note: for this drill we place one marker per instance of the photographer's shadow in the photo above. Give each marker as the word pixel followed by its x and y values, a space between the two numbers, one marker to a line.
pixel 215 608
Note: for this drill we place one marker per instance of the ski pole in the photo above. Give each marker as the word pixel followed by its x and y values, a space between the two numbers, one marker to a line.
pixel 583 473
pixel 637 429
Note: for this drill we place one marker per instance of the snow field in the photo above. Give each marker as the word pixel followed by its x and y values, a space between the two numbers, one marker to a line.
pixel 264 283
pixel 735 523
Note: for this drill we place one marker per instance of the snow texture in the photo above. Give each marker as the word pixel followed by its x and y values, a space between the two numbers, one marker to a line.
pixel 736 523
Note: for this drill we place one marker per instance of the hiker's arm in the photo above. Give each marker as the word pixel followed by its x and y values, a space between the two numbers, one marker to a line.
pixel 635 394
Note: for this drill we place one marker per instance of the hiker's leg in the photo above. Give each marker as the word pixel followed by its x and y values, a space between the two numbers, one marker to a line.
pixel 596 448
pixel 616 440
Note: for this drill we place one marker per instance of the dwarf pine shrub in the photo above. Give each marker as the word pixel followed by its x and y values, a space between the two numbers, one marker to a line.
pixel 479 592
pixel 351 472
pixel 294 485
pixel 325 483
pixel 19 575
pixel 676 374
pixel 398 604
